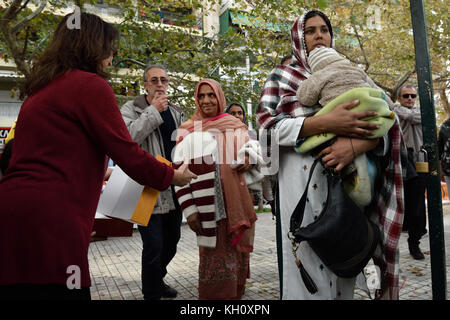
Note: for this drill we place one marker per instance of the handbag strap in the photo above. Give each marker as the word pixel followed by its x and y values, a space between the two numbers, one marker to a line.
pixel 296 222
pixel 297 215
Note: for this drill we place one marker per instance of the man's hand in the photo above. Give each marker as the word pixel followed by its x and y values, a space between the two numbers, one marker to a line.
pixel 194 223
pixel 160 101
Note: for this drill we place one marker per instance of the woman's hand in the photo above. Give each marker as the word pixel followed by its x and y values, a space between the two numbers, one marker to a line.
pixel 194 223
pixel 244 166
pixel 344 150
pixel 339 154
pixel 341 121
pixel 182 175
pixel 344 122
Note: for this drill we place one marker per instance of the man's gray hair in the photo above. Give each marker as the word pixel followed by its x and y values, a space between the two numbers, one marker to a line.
pixel 406 85
pixel 153 66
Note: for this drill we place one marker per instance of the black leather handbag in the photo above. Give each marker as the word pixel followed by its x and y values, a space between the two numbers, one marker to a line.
pixel 342 235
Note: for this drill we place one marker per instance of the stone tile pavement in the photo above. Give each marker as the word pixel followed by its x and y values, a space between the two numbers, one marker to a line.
pixel 115 266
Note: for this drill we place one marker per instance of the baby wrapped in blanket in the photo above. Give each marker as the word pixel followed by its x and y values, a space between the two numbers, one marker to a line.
pixel 334 81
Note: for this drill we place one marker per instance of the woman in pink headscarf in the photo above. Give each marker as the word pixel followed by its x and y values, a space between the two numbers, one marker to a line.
pixel 218 206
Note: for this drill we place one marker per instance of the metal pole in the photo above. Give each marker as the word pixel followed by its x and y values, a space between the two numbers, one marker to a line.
pixel 249 101
pixel 435 218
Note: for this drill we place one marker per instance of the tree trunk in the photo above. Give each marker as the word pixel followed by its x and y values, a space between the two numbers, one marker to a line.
pixel 444 102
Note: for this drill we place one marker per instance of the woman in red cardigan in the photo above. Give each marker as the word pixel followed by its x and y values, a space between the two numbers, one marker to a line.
pixel 67 126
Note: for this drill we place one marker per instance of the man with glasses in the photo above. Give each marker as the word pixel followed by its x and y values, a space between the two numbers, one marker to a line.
pixel 414 187
pixel 151 120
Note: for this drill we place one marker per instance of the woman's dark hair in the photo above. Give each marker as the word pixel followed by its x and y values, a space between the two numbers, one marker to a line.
pixel 314 13
pixel 227 110
pixel 81 46
pixel 234 104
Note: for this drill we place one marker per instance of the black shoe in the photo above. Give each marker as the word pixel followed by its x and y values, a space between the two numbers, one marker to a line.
pixel 168 292
pixel 416 253
pixel 424 232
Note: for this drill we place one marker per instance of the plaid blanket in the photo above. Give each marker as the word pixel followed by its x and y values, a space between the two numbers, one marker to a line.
pixel 278 101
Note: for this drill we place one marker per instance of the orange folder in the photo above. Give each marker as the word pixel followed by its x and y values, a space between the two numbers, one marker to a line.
pixel 147 200
pixel 125 199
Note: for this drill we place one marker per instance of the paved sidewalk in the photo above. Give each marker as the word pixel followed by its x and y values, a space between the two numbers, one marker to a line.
pixel 115 266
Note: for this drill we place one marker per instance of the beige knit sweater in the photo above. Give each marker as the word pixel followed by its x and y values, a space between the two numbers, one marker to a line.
pixel 331 77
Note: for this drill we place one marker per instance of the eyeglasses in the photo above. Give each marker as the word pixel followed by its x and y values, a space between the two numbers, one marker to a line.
pixel 406 95
pixel 156 80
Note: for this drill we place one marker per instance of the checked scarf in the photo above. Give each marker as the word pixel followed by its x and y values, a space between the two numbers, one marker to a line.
pixel 278 101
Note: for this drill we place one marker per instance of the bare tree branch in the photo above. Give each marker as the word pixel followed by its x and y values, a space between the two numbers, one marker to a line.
pixel 382 74
pixel 359 38
pixel 402 80
pixel 176 51
pixel 363 51
pixel 37 47
pixel 183 78
pixel 11 12
pixel 33 15
pixel 444 101
pixel 142 64
pixel 387 89
pixel 9 34
pixel 24 5
pixel 11 42
pixel 349 58
pixel 25 45
pixel 442 78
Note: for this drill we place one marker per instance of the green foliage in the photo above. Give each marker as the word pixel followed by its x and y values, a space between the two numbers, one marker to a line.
pixel 322 4
pixel 387 53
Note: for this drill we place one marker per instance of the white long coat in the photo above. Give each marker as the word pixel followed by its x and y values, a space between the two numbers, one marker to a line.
pixel 292 177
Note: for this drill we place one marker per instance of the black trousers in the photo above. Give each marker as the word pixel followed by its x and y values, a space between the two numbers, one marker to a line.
pixel 43 292
pixel 159 239
pixel 415 216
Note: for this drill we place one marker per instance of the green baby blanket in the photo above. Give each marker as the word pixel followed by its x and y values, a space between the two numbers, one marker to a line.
pixel 369 100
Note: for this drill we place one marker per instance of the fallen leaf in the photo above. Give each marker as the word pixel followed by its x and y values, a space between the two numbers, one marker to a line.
pixel 417 271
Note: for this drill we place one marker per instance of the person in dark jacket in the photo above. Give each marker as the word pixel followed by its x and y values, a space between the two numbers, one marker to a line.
pixel 411 123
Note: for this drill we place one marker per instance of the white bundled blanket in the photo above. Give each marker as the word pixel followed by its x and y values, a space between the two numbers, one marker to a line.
pixel 255 180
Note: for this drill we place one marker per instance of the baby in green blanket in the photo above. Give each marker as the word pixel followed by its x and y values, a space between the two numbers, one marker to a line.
pixel 338 82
